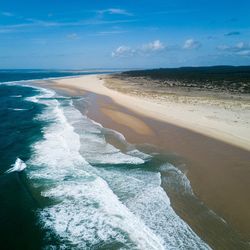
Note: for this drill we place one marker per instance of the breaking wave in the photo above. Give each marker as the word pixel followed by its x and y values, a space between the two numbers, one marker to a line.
pixel 102 197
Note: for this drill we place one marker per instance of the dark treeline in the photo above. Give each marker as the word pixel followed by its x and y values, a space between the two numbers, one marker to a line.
pixel 228 78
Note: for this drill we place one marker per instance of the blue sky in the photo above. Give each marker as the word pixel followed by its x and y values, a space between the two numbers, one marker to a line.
pixel 123 34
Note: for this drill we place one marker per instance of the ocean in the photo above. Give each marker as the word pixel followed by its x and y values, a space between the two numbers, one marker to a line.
pixel 63 186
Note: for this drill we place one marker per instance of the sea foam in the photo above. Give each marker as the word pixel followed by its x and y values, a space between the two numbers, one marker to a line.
pixel 96 207
pixel 18 166
pixel 88 213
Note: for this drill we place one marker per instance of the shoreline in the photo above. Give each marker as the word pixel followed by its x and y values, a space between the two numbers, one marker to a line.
pixel 210 163
pixel 197 156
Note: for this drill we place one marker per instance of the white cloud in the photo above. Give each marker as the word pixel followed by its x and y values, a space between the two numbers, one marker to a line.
pixel 113 11
pixel 153 46
pixel 191 44
pixel 241 48
pixel 244 53
pixel 7 14
pixel 242 45
pixel 123 51
pixel 33 23
pixel 72 36
pixel 110 32
pixel 146 49
pixel 223 47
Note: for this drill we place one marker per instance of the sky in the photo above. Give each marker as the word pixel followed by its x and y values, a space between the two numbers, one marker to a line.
pixel 84 34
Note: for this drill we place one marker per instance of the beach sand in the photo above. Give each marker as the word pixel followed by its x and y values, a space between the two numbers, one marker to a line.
pixel 215 151
pixel 216 118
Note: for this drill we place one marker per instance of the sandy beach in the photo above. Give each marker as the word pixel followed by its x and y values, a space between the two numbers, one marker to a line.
pixel 212 138
pixel 224 120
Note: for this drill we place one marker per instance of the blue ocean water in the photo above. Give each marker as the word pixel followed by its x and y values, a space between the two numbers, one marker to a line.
pixel 22 74
pixel 18 128
pixel 18 131
pixel 66 187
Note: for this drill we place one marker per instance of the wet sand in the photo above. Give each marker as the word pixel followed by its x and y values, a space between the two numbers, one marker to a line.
pixel 219 172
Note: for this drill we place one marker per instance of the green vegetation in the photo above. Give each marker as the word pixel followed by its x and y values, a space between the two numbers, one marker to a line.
pixel 216 78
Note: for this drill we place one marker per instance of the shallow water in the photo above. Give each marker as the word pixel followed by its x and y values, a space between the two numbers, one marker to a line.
pixel 104 198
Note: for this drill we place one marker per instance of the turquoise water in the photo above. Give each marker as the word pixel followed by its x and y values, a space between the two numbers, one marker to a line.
pixel 68 188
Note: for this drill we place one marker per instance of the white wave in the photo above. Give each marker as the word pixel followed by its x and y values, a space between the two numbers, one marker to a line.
pixel 16 96
pixel 89 212
pixel 94 147
pixel 17 167
pixel 153 207
pixel 142 193
pixel 14 83
pixel 141 155
pixel 32 81
pixel 177 178
pixel 16 109
pixel 100 205
pixel 128 148
pixel 44 93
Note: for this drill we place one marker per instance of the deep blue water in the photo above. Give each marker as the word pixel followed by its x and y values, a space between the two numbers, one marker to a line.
pixel 18 128
pixel 18 131
pixel 18 75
